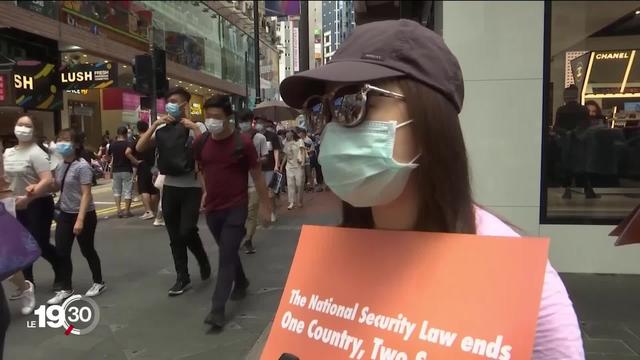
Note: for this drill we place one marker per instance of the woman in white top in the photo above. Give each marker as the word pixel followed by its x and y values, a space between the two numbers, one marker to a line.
pixel 28 170
pixel 294 155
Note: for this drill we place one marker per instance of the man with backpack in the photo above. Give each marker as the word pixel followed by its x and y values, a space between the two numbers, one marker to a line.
pixel 173 135
pixel 226 157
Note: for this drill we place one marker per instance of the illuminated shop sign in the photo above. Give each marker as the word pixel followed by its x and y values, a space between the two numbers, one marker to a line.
pixel 89 76
pixel 36 86
pixel 613 55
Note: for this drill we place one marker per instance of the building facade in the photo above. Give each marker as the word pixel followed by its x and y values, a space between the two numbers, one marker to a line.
pixel 338 20
pixel 517 63
pixel 209 50
pixel 288 45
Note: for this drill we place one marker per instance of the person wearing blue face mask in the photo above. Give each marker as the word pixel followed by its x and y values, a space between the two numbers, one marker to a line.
pixel 76 218
pixel 173 136
pixel 393 151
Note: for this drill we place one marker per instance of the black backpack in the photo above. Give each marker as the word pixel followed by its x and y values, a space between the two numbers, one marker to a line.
pixel 175 150
pixel 238 151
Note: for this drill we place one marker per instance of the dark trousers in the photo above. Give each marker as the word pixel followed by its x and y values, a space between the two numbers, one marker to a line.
pixel 316 165
pixel 227 227
pixel 4 319
pixel 583 178
pixel 181 209
pixel 86 241
pixel 37 218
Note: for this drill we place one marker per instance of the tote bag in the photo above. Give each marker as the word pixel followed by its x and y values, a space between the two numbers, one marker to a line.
pixel 18 249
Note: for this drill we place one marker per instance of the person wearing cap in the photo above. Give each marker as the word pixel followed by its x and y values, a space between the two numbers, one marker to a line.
pixel 393 150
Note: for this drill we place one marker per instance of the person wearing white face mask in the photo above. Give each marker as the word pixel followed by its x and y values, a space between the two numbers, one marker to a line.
pixel 294 156
pixel 27 168
pixel 226 158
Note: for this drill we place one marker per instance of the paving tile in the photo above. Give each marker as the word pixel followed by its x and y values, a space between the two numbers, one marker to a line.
pixel 607 346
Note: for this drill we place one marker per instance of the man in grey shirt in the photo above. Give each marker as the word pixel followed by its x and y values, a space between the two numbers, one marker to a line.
pixel 182 193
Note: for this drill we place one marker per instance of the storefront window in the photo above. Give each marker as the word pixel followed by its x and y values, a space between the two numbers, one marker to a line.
pixel 591 152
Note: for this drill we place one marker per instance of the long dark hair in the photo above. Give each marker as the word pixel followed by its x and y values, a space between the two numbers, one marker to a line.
pixel 444 189
pixel 598 108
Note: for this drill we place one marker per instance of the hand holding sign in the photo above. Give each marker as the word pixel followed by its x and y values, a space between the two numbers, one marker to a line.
pixel 409 296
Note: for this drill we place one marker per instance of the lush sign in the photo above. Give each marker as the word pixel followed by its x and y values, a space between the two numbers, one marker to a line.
pixel 89 76
pixel 36 86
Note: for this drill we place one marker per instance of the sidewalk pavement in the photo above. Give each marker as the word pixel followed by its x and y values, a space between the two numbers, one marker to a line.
pixel 139 321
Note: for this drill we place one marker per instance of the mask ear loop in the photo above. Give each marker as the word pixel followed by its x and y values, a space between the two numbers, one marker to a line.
pixel 404 123
pixel 413 161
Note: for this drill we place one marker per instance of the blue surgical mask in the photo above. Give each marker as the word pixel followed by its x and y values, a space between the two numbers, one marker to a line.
pixel 358 165
pixel 245 126
pixel 65 149
pixel 174 110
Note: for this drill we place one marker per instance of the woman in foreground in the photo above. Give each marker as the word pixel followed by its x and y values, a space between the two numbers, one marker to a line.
pixel 393 150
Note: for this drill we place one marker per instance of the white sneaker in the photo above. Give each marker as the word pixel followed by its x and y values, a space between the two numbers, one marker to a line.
pixel 273 217
pixel 17 295
pixel 96 289
pixel 291 206
pixel 60 297
pixel 158 222
pixel 147 216
pixel 28 299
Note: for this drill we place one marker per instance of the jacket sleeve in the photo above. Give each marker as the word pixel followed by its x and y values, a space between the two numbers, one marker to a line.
pixel 557 334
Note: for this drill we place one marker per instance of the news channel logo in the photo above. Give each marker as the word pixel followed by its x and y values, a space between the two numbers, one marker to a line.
pixel 78 315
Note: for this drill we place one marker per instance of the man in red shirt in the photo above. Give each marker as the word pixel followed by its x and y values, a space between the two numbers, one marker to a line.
pixel 225 157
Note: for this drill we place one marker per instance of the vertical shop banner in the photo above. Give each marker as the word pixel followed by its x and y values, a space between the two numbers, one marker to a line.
pixel 367 294
pixel 295 52
pixel 579 67
pixel 4 89
pixel 36 85
pixel 46 8
pixel 88 76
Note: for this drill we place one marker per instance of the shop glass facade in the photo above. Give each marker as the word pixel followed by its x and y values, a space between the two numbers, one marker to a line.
pixel 591 132
pixel 197 37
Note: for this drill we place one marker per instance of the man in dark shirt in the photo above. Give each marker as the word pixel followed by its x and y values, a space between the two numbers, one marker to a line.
pixel 122 166
pixel 267 128
pixel 572 118
pixel 226 158
pixel 147 158
pixel 572 114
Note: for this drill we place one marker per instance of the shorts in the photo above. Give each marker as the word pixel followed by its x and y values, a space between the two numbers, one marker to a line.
pixel 123 185
pixel 145 181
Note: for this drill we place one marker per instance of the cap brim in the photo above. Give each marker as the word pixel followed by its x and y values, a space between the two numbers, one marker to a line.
pixel 299 87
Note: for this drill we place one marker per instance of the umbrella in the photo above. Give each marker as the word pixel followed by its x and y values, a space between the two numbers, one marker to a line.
pixel 275 111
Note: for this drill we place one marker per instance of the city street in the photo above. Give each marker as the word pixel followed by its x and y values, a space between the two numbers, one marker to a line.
pixel 140 322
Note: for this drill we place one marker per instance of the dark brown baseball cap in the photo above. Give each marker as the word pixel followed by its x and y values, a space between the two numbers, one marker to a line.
pixel 381 50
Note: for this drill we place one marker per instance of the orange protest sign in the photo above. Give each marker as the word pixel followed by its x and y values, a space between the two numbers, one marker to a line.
pixel 366 294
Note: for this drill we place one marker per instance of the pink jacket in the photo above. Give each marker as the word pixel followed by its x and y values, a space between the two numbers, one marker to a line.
pixel 558 334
